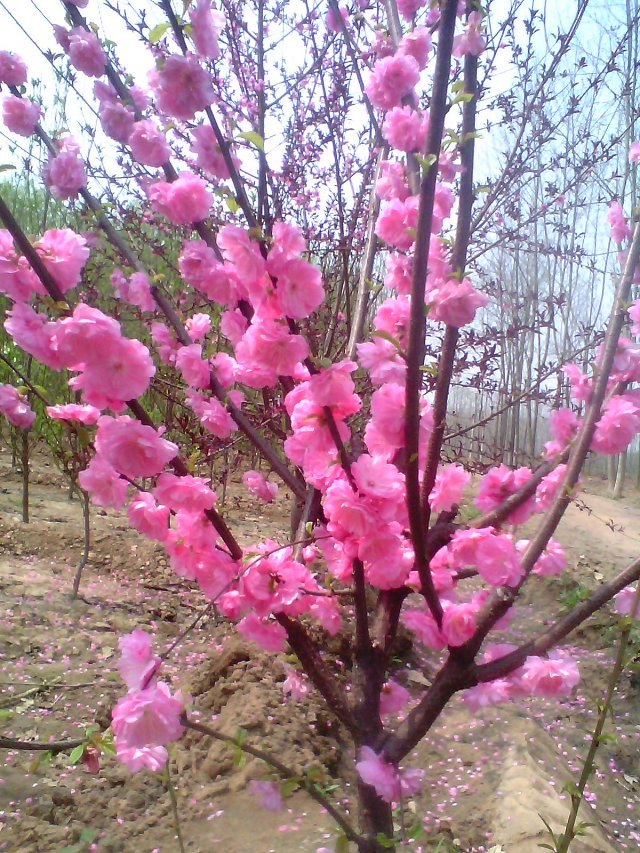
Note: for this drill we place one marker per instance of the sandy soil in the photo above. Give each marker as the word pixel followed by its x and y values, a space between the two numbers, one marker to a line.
pixel 491 774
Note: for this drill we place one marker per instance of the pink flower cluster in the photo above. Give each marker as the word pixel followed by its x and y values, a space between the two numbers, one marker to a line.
pixel 20 115
pixel 148 717
pixel 389 783
pixel 183 201
pixel 15 408
pixel 550 677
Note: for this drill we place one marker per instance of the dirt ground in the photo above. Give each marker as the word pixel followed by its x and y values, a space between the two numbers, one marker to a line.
pixel 491 774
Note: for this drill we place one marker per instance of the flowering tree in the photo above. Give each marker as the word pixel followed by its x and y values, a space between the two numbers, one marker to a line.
pixel 247 327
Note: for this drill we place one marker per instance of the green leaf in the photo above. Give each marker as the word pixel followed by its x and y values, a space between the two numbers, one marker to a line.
pixel 76 754
pixel 157 32
pixel 6 167
pixel 342 844
pixel 572 789
pixel 289 786
pixel 384 841
pixel 253 137
pixel 426 162
pixel 387 337
pixel 232 204
pixel 463 98
pixel 87 835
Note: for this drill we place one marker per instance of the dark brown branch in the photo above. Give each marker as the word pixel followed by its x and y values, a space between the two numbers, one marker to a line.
pixel 312 663
pixel 458 262
pixel 39 746
pixel 417 321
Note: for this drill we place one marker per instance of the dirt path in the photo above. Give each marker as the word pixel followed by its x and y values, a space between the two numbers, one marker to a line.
pixel 491 773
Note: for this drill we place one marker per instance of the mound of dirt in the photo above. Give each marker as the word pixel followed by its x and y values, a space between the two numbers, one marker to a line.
pixel 242 690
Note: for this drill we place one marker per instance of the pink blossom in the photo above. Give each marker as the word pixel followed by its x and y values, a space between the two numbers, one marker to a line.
pixel 265 633
pixel 393 698
pixel 548 488
pixel 392 181
pixel 84 50
pixel 87 415
pixel 387 560
pixel 493 554
pixel 213 416
pixel 15 408
pixel 268 350
pixel 258 485
pixel 64 174
pixel 333 387
pixel 149 717
pixel 455 302
pixel 392 78
pixel 333 19
pixel 151 758
pixel 619 424
pixel 137 291
pixel 201 269
pixel 103 483
pixel 376 772
pixel 64 254
pixel 137 662
pixel 424 626
pixel 472 41
pixel 32 333
pixel 269 795
pixel 634 152
pixel 405 129
pixel 206 26
pixel 165 342
pixel 581 385
pixel 17 279
pixel 13 71
pixel 626 361
pixel 114 369
pixel 397 222
pixel 417 44
pixel 634 315
pixel 181 86
pixel 398 273
pixel 563 426
pixel 194 369
pixel 198 326
pixel 148 144
pixel 500 483
pixel 243 253
pixel 188 493
pixel 149 518
pixel 209 156
pixel 183 201
pixel 377 478
pixel 550 677
pixel 295 685
pixel 408 8
pixel 447 491
pixel 299 289
pixel 117 121
pixel 623 601
pixel 132 448
pixel 459 623
pixel 620 230
pixel 551 562
pixel 20 115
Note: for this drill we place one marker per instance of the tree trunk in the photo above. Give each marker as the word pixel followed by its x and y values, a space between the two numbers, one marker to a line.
pixel 85 553
pixel 25 475
pixel 375 819
pixel 612 467
pixel 620 477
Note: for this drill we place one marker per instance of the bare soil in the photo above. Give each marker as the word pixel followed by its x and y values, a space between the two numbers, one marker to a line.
pixel 490 774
